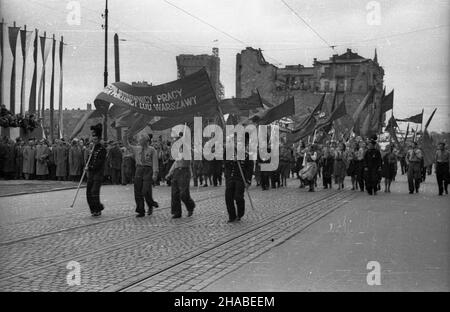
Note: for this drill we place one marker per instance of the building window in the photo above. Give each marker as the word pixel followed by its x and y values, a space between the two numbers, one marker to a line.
pixel 327 86
pixel 355 70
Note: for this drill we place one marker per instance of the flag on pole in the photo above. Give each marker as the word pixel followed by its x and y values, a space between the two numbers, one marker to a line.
pixel 60 105
pixel 32 103
pixel 45 51
pixel 52 89
pixel 13 34
pixel 387 102
pixel 414 119
pixel 429 119
pixel 25 40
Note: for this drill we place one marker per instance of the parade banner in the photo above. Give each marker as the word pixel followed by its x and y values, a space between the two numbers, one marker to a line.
pixel 188 95
pixel 13 34
pixel 32 102
pixel 25 40
pixel 45 51
pixel 60 105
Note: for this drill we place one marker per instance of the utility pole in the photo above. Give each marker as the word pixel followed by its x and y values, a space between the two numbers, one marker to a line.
pixel 105 74
pixel 117 73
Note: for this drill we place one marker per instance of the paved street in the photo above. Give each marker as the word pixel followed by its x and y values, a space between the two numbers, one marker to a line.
pixel 292 241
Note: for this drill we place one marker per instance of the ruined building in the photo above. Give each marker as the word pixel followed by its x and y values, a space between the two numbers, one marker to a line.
pixel 349 73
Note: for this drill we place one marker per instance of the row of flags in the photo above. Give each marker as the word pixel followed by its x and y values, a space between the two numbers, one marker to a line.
pixel 47 45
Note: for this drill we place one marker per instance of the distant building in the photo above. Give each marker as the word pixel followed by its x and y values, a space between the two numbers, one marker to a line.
pixel 188 64
pixel 349 73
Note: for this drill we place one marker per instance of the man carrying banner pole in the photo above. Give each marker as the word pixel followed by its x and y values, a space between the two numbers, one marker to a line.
pixel 95 170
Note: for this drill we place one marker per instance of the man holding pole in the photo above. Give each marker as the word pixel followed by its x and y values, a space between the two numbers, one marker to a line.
pixel 235 184
pixel 95 167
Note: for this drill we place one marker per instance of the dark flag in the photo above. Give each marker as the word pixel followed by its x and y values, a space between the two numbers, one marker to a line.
pixel 32 103
pixel 414 119
pixel 387 102
pixel 429 119
pixel 13 34
pixel 287 108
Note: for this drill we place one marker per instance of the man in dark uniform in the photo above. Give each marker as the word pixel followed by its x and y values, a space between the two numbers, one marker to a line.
pixel 180 176
pixel 372 167
pixel 235 185
pixel 95 169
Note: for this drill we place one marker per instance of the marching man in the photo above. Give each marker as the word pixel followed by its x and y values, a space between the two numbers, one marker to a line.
pixel 95 169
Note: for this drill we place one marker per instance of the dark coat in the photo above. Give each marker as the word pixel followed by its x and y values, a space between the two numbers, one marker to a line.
pixel 61 156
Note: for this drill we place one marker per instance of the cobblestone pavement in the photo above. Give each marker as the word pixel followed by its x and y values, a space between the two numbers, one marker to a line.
pixel 21 187
pixel 39 236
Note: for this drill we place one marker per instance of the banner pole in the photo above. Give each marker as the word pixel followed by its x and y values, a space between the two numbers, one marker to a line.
pixel 239 165
pixel 82 176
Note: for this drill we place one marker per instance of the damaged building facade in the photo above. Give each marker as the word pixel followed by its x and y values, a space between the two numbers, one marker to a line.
pixel 348 73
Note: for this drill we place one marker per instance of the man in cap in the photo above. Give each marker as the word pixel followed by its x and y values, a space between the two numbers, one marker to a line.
pixel 180 175
pixel 146 172
pixel 414 158
pixel 372 167
pixel 442 159
pixel 95 169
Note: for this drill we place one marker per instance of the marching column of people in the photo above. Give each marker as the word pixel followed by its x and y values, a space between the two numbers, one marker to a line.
pixel 150 163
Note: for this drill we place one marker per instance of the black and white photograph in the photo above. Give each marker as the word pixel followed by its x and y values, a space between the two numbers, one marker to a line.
pixel 221 152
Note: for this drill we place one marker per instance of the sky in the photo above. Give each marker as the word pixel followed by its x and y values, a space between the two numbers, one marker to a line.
pixel 411 37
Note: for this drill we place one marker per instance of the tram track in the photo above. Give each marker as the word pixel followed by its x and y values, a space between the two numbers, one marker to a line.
pixel 257 228
pixel 14 241
pixel 148 237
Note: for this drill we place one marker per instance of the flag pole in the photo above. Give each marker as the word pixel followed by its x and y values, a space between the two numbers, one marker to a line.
pixel 82 176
